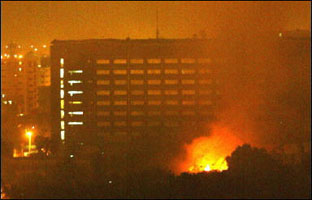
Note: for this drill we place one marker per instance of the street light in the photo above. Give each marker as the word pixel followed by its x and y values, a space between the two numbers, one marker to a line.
pixel 29 133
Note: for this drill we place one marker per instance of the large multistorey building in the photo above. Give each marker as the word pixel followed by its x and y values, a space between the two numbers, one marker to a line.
pixel 128 88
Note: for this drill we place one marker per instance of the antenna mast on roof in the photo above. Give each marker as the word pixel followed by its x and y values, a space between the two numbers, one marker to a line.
pixel 157 31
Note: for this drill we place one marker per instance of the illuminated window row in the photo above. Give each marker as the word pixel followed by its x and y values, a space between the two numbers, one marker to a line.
pixel 154 61
pixel 154 102
pixel 149 71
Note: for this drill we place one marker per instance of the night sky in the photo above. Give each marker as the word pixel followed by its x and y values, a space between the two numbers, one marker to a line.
pixel 39 23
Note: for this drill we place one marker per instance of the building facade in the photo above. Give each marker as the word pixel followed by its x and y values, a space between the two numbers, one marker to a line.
pixel 128 88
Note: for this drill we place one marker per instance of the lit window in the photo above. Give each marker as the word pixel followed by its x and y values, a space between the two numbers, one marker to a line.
pixel 20 69
pixel 188 82
pixel 75 102
pixel 120 92
pixel 103 113
pixel 153 71
pixel 20 62
pixel 137 102
pixel 62 114
pixel 153 113
pixel 188 102
pixel 204 71
pixel 171 82
pixel 187 60
pixel 62 73
pixel 171 60
pixel 103 92
pixel 136 82
pixel 75 113
pixel 137 92
pixel 75 123
pixel 204 60
pixel 120 103
pixel 153 92
pixel 120 72
pixel 136 61
pixel 62 104
pixel 75 72
pixel 102 72
pixel 62 62
pixel 120 113
pixel 62 135
pixel 205 81
pixel 62 125
pixel 62 83
pixel 188 92
pixel 154 102
pixel 102 61
pixel 154 82
pixel 171 71
pixel 153 61
pixel 120 61
pixel 171 92
pixel 188 71
pixel 172 102
pixel 103 124
pixel 72 93
pixel 137 123
pixel 205 102
pixel 120 82
pixel 103 103
pixel 120 123
pixel 137 71
pixel 137 113
pixel 102 82
pixel 72 82
pixel 62 94
pixel 204 92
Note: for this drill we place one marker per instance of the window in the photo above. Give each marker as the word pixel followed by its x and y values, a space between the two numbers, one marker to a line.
pixel 120 103
pixel 137 123
pixel 136 82
pixel 137 92
pixel 153 61
pixel 61 73
pixel 102 61
pixel 171 92
pixel 153 92
pixel 204 92
pixel 188 60
pixel 75 102
pixel 103 124
pixel 103 92
pixel 136 61
pixel 120 113
pixel 63 125
pixel 103 113
pixel 204 60
pixel 75 113
pixel 103 103
pixel 102 72
pixel 120 61
pixel 188 82
pixel 62 104
pixel 120 92
pixel 120 82
pixel 62 94
pixel 71 72
pixel 120 123
pixel 154 102
pixel 171 71
pixel 154 82
pixel 205 102
pixel 188 71
pixel 72 93
pixel 154 123
pixel 102 82
pixel 205 71
pixel 153 71
pixel 62 114
pixel 137 102
pixel 171 82
pixel 188 102
pixel 204 82
pixel 188 92
pixel 62 135
pixel 153 113
pixel 120 72
pixel 75 123
pixel 171 60
pixel 62 62
pixel 136 71
pixel 62 83
pixel 188 113
pixel 137 113
pixel 172 102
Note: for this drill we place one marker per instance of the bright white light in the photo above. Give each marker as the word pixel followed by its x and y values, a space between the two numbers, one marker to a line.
pixel 76 113
pixel 71 82
pixel 20 56
pixel 62 135
pixel 31 46
pixel 38 66
pixel 75 72
pixel 10 102
pixel 71 155
pixel 62 73
pixel 62 93
pixel 75 123
pixel 3 95
pixel 35 49
pixel 72 93
pixel 44 46
pixel 62 62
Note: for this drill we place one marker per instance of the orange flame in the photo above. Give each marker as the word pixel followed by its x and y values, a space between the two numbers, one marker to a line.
pixel 209 153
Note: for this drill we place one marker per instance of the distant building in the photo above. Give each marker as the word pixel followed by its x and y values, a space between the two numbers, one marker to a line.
pixel 106 89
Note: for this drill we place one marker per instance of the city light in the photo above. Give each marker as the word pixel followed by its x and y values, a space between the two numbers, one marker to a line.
pixel 20 56
pixel 44 46
pixel 35 49
pixel 29 134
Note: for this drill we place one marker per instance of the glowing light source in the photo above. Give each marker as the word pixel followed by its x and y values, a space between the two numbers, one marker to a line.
pixel 44 46
pixel 35 49
pixel 20 56
pixel 280 35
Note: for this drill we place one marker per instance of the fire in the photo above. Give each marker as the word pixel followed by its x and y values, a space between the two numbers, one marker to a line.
pixel 209 153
